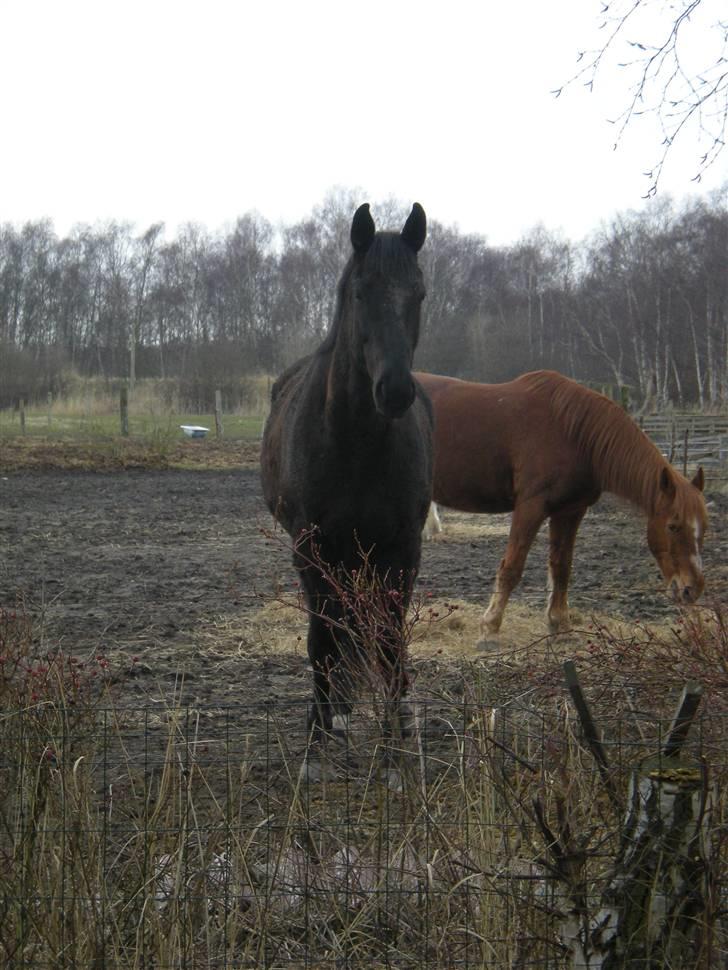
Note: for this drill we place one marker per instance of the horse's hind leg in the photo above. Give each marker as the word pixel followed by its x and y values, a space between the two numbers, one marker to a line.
pixel 563 527
pixel 526 521
pixel 433 523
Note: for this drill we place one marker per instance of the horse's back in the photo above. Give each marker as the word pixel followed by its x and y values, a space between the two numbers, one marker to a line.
pixel 276 453
pixel 496 444
pixel 473 446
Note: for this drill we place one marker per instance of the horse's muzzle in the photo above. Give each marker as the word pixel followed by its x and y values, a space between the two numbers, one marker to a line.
pixel 685 594
pixel 394 396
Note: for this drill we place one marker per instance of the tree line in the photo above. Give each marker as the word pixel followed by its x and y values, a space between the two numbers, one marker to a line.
pixel 641 304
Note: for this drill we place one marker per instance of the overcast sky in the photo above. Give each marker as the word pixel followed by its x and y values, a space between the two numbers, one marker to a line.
pixel 173 111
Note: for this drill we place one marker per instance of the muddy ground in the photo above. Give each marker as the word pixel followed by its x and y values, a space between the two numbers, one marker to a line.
pixel 172 577
pixel 172 571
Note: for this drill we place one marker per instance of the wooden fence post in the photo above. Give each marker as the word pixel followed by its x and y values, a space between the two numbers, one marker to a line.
pixel 590 731
pixel 22 415
pixel 50 405
pixel 685 453
pixel 218 414
pixel 673 432
pixel 124 410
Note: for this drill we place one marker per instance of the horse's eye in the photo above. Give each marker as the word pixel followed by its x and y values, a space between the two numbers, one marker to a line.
pixel 673 527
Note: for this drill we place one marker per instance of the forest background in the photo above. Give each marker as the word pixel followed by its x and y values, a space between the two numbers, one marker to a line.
pixel 641 304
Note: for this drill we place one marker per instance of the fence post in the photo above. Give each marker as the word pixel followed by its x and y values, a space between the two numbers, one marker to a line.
pixel 50 405
pixel 685 453
pixel 22 415
pixel 218 414
pixel 124 410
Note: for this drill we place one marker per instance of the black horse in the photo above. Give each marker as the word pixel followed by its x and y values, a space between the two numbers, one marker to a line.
pixel 346 460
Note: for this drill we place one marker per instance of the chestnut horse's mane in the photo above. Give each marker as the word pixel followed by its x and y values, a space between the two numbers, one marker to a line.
pixel 622 457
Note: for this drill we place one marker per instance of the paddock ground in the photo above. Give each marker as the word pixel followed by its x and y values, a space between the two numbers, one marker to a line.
pixel 178 578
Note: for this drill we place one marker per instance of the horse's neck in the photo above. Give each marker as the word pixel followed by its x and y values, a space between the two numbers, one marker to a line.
pixel 631 488
pixel 635 476
pixel 348 390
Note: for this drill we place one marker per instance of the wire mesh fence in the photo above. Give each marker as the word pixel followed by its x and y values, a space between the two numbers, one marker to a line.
pixel 185 836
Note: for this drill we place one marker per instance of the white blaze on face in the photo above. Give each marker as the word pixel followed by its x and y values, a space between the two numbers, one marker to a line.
pixel 696 558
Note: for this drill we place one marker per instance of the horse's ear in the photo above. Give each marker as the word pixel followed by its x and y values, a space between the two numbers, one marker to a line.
pixel 699 479
pixel 362 229
pixel 415 229
pixel 667 484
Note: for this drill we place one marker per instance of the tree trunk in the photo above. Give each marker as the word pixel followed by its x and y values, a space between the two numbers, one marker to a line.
pixel 652 906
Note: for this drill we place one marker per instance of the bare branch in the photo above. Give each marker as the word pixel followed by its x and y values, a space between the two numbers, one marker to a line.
pixel 659 84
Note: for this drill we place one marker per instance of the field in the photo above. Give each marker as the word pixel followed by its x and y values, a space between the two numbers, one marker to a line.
pixel 181 568
pixel 173 580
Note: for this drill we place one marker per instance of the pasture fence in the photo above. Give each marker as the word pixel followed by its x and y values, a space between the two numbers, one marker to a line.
pixel 218 414
pixel 124 411
pixel 181 835
pixel 686 439
pixel 690 439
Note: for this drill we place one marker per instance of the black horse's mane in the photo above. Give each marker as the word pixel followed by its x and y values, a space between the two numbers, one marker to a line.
pixel 388 255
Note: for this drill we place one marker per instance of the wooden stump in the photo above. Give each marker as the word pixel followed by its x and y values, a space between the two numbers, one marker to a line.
pixel 652 907
pixel 656 896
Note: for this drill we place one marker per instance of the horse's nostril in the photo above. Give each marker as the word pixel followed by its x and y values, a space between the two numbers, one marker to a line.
pixel 394 395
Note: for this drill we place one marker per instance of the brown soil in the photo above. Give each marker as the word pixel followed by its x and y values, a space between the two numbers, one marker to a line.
pixel 174 572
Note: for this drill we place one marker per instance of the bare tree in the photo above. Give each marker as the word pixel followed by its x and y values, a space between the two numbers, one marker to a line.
pixel 144 258
pixel 674 58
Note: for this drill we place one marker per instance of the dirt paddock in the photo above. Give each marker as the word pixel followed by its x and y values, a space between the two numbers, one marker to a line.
pixel 173 572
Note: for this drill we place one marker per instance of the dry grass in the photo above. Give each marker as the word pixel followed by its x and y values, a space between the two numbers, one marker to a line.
pixel 172 836
pixel 117 454
pixel 83 431
pixel 459 526
pixel 449 629
pixel 163 838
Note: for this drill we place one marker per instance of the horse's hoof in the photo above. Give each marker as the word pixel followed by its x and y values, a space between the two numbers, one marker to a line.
pixel 392 778
pixel 559 626
pixel 487 645
pixel 314 770
pixel 404 719
pixel 340 726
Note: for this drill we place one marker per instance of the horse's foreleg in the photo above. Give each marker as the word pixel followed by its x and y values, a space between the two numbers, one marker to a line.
pixel 316 765
pixel 398 720
pixel 525 523
pixel 324 614
pixel 562 534
pixel 398 714
pixel 320 714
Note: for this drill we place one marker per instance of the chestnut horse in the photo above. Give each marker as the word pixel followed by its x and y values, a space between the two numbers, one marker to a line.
pixel 544 447
pixel 346 463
